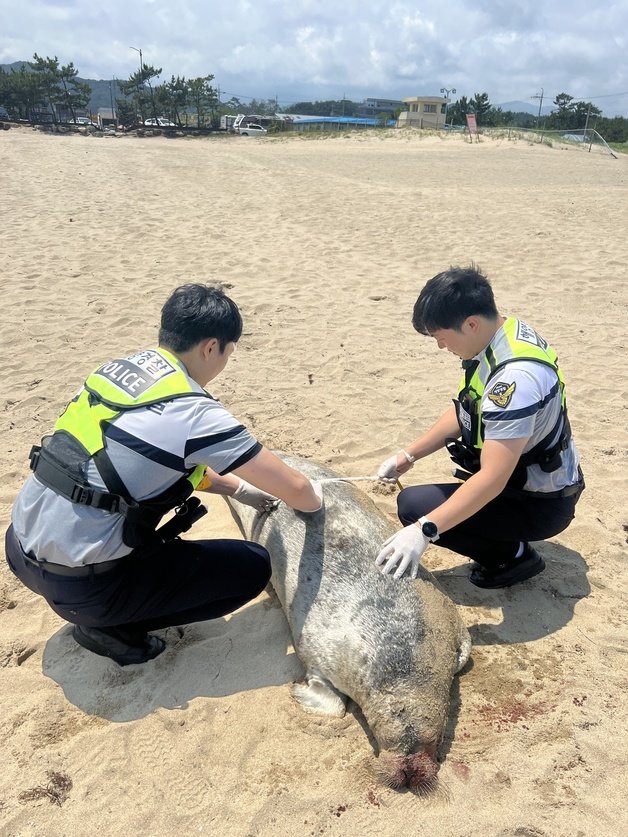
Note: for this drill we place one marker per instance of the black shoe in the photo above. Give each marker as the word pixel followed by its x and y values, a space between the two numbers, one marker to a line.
pixel 125 646
pixel 510 572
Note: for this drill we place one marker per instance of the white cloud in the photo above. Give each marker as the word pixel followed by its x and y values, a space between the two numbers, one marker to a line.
pixel 321 48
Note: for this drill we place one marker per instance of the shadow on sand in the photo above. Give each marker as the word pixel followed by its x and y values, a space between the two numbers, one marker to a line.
pixel 531 609
pixel 220 657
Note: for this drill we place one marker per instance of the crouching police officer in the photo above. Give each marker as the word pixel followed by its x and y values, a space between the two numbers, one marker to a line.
pixel 140 436
pixel 508 434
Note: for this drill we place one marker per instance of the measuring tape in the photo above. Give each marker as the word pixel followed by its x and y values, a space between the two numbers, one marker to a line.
pixel 355 479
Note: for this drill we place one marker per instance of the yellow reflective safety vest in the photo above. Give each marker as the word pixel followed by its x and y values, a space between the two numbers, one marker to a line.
pixel 522 343
pixel 149 377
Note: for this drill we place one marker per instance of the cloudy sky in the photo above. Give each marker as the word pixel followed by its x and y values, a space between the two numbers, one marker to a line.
pixel 317 49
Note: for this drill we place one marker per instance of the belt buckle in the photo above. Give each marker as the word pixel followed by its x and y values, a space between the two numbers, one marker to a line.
pixel 34 456
pixel 81 495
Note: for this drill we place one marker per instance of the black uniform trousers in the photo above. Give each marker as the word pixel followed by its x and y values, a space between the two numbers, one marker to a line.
pixel 175 584
pixel 492 535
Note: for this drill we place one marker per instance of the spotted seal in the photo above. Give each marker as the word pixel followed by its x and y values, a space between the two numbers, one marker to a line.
pixel 392 646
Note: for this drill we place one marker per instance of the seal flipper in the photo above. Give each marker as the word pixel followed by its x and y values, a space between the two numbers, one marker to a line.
pixel 318 695
pixel 464 651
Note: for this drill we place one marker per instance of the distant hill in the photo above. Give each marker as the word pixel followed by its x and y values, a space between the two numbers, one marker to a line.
pixel 16 65
pixel 102 89
pixel 525 107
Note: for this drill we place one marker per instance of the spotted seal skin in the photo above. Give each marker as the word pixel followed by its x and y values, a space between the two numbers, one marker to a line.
pixel 392 646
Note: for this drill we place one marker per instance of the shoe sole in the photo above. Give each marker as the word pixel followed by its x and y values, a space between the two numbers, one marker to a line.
pixel 496 583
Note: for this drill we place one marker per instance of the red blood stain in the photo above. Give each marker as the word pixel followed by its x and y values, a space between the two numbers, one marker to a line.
pixel 462 770
pixel 501 717
pixel 372 799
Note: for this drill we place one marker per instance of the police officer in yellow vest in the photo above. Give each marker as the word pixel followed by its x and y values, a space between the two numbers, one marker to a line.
pixel 508 433
pixel 140 436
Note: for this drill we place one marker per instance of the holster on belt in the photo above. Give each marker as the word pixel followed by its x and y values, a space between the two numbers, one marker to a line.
pixel 185 516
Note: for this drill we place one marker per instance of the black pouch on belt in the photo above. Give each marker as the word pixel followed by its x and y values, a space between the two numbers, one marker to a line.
pixel 185 516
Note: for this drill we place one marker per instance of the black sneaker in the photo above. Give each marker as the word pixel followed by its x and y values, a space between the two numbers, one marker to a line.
pixel 125 646
pixel 510 572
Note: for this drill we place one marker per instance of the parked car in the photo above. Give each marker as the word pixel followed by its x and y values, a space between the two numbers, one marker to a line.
pixel 252 131
pixel 159 122
pixel 82 120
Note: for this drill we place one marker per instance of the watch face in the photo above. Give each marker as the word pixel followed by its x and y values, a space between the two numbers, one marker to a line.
pixel 429 529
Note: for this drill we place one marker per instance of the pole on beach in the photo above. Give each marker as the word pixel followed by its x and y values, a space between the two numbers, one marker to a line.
pixel 113 113
pixel 447 91
pixel 539 96
pixel 141 62
pixel 141 103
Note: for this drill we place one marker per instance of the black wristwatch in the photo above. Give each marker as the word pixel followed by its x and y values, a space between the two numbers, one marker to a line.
pixel 429 529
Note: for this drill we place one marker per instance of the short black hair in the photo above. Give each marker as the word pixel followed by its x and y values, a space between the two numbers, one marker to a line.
pixel 450 297
pixel 196 312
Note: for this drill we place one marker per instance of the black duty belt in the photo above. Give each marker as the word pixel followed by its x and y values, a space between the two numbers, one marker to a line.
pixel 77 572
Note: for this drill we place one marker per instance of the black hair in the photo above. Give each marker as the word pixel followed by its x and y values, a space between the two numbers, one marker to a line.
pixel 450 297
pixel 195 312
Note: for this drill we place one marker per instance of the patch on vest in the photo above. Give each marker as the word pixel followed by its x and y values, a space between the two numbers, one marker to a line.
pixel 502 394
pixel 464 418
pixel 134 375
pixel 529 335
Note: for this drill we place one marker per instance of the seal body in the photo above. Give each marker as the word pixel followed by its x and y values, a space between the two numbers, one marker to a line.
pixel 392 646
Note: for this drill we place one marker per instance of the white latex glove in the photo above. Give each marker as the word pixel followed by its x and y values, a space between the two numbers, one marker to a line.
pixel 392 468
pixel 254 497
pixel 318 490
pixel 404 549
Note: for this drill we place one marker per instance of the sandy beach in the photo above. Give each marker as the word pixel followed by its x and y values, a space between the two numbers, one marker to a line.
pixel 324 243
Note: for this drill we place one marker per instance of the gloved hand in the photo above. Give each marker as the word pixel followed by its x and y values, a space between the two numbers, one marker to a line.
pixel 404 549
pixel 318 490
pixel 392 468
pixel 254 497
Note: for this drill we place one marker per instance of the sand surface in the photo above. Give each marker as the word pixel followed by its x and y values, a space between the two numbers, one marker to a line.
pixel 325 244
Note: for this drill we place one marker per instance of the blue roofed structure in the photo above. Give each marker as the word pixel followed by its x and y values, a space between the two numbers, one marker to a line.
pixel 304 122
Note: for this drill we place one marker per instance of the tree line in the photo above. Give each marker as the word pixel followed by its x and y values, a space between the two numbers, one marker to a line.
pixel 173 99
pixel 569 115
pixel 45 84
